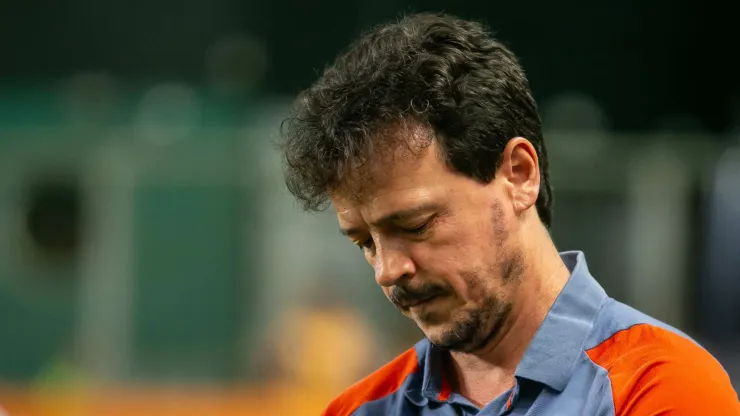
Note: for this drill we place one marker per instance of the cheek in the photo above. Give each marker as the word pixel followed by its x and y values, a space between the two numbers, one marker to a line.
pixel 462 251
pixel 470 267
pixel 458 267
pixel 453 249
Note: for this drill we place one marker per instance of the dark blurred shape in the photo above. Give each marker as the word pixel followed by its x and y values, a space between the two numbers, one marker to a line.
pixel 89 99
pixel 580 126
pixel 236 65
pixel 167 113
pixel 53 216
pixel 718 310
pixel 680 123
pixel 574 111
pixel 720 284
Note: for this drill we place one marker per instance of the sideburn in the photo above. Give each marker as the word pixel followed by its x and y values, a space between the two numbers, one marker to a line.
pixel 512 260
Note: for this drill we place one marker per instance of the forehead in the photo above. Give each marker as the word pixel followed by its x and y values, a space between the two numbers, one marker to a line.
pixel 396 179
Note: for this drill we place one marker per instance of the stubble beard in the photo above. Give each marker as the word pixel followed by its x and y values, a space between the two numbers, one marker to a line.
pixel 473 329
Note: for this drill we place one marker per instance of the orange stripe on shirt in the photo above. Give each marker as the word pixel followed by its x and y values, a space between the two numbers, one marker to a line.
pixel 445 391
pixel 387 380
pixel 654 371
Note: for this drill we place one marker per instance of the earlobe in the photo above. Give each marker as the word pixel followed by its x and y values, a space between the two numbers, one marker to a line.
pixel 522 171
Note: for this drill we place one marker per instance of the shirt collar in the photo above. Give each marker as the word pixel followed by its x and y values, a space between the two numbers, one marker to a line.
pixel 557 344
pixel 428 384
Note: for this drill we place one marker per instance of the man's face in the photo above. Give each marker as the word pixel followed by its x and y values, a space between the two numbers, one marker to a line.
pixel 444 246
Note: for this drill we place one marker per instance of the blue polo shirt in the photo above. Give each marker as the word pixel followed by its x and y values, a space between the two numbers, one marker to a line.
pixel 591 356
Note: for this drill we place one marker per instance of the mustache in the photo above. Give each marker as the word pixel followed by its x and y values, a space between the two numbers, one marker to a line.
pixel 404 296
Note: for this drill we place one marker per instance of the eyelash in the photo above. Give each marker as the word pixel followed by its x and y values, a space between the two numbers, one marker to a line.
pixel 365 244
pixel 420 230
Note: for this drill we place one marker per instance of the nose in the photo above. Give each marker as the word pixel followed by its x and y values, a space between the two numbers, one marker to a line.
pixel 391 265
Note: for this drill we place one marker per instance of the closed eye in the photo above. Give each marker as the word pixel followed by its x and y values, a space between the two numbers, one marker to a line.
pixel 418 230
pixel 365 245
pixel 421 229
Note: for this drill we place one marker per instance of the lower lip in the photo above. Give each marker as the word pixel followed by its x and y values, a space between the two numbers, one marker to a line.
pixel 424 303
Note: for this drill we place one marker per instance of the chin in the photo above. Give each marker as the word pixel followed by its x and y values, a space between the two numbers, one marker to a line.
pixel 463 333
pixel 444 336
pixel 450 342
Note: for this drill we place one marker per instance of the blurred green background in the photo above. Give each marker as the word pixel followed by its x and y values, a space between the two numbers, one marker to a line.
pixel 147 236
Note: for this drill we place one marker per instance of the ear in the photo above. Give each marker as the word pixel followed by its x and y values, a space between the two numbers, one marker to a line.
pixel 520 173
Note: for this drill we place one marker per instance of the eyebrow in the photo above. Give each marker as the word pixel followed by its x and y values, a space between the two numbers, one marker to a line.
pixel 394 217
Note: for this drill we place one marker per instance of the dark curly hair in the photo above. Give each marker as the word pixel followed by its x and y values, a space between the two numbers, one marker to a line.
pixel 445 73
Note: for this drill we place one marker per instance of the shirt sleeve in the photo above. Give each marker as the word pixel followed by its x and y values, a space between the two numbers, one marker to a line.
pixel 655 371
pixel 679 387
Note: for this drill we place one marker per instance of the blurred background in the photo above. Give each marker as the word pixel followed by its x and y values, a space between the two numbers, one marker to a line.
pixel 151 261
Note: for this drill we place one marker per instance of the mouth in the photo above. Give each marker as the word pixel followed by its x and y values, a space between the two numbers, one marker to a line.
pixel 420 302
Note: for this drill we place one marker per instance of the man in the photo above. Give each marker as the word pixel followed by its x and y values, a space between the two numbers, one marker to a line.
pixel 425 138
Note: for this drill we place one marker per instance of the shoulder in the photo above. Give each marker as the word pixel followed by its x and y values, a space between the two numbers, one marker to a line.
pixel 655 368
pixel 381 383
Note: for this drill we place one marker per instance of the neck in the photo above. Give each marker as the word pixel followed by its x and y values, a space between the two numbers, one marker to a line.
pixel 483 375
